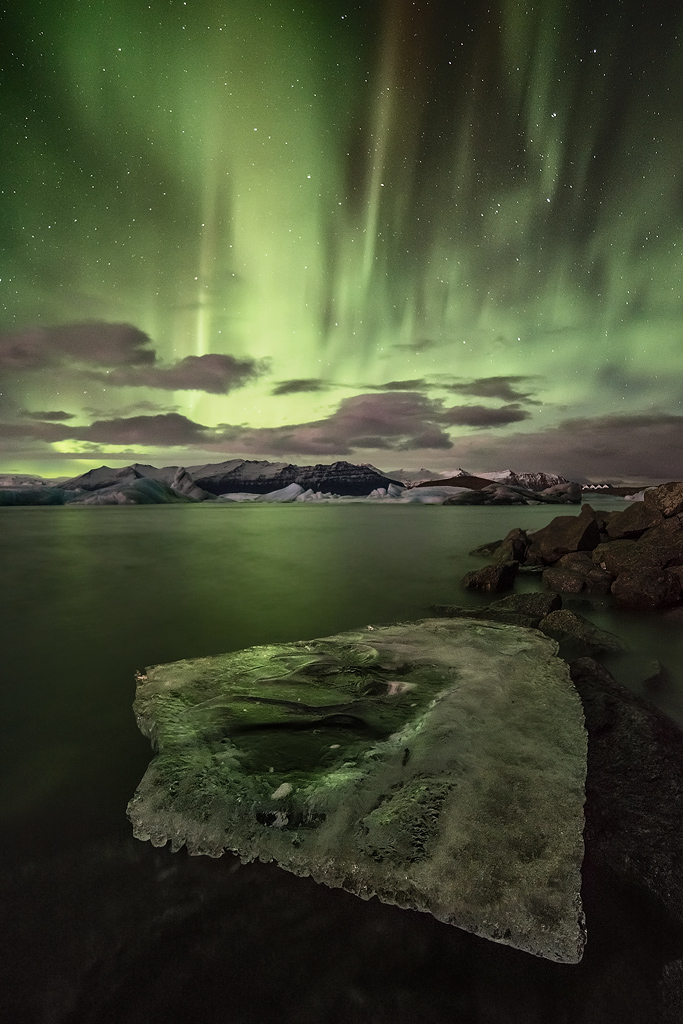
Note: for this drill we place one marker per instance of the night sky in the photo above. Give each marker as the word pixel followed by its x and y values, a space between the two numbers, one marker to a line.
pixel 408 233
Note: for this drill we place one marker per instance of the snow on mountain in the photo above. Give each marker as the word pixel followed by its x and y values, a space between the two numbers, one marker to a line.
pixel 534 481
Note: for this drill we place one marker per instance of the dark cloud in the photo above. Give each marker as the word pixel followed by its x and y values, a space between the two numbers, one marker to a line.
pixel 299 386
pixel 57 415
pixel 483 416
pixel 494 387
pixel 98 343
pixel 384 421
pixel 213 373
pixel 402 385
pixel 163 429
pixel 630 447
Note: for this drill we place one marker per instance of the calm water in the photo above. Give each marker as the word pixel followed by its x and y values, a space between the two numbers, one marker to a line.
pixel 89 595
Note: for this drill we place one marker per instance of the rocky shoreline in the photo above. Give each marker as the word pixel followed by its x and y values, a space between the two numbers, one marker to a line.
pixel 635 554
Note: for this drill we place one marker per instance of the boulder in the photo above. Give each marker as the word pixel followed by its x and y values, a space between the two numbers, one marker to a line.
pixel 574 631
pixel 564 534
pixel 438 765
pixel 573 577
pixel 633 521
pixel 492 578
pixel 667 499
pixel 647 589
pixel 513 547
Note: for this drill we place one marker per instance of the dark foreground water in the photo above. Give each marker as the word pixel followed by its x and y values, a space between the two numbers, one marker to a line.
pixel 99 927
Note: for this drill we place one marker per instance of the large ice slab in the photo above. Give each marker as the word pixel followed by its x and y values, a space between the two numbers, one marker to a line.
pixel 439 765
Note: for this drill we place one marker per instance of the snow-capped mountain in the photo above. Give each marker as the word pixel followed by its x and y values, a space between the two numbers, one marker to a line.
pixel 534 481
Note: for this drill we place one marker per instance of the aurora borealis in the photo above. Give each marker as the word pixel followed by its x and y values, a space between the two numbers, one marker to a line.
pixel 406 233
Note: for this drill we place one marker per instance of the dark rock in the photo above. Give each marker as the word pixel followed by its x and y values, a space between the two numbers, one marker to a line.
pixel 536 605
pixel 666 499
pixel 634 789
pixel 563 580
pixel 647 589
pixel 492 578
pixel 575 573
pixel 488 549
pixel 573 560
pixel 564 534
pixel 633 521
pixel 619 556
pixel 573 630
pixel 513 547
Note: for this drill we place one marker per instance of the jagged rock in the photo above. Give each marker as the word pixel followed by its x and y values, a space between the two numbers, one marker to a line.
pixel 438 765
pixel 492 578
pixel 633 521
pixel 666 499
pixel 647 589
pixel 564 534
pixel 507 616
pixel 574 630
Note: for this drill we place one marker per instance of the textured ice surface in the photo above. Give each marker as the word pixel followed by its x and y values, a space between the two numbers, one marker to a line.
pixel 439 765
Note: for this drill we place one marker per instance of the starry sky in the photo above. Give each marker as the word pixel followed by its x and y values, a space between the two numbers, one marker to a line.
pixel 405 232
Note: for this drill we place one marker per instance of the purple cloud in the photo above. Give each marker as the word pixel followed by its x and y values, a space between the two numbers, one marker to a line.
pixel 300 385
pixel 482 416
pixel 100 343
pixel 213 373
pixel 494 387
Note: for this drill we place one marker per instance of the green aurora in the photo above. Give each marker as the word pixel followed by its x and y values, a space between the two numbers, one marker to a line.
pixel 407 233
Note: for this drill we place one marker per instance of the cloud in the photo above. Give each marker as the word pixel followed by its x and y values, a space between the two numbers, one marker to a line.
pixel 387 421
pixel 483 416
pixel 57 415
pixel 213 373
pixel 637 447
pixel 95 342
pixel 402 385
pixel 398 421
pixel 148 431
pixel 300 385
pixel 494 387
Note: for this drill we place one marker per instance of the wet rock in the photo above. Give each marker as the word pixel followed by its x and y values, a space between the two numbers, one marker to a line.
pixel 666 499
pixel 513 547
pixel 535 605
pixel 492 578
pixel 647 589
pixel 439 765
pixel 574 630
pixel 563 580
pixel 634 789
pixel 564 534
pixel 633 521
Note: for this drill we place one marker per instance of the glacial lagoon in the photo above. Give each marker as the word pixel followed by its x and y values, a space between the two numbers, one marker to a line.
pixel 89 596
